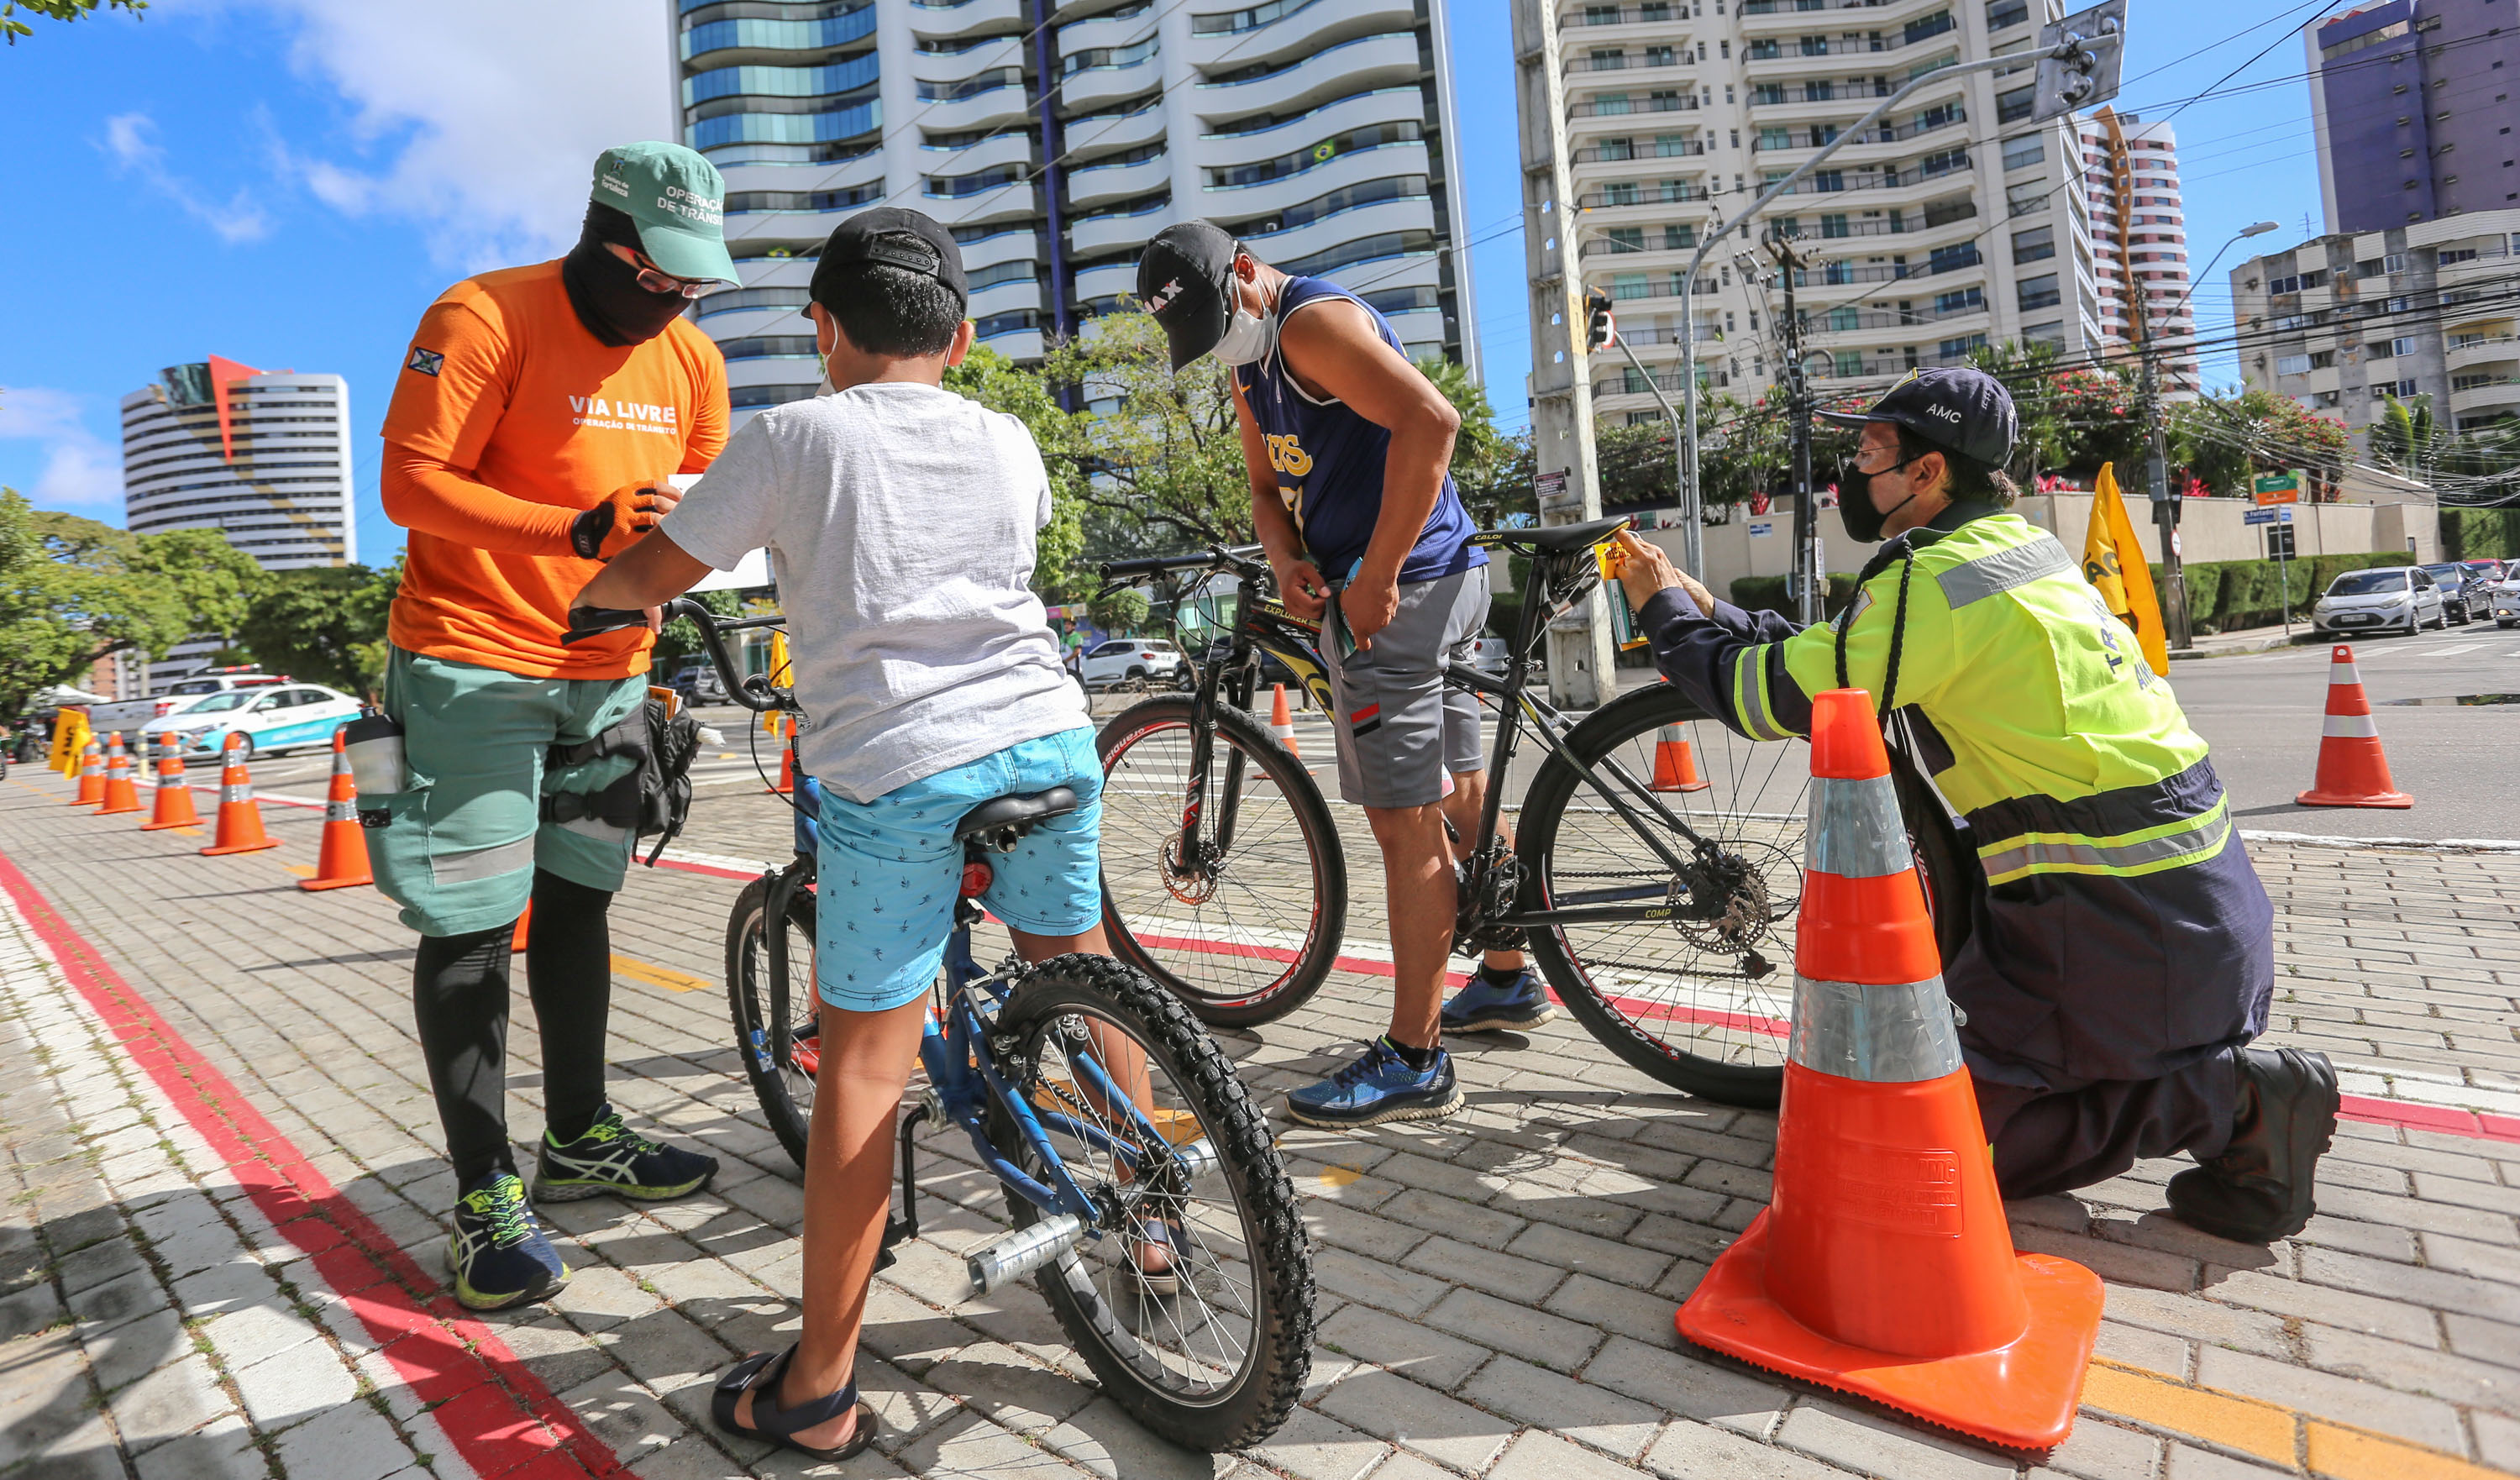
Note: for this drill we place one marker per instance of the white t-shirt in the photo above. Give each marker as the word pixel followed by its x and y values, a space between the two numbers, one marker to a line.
pixel 901 521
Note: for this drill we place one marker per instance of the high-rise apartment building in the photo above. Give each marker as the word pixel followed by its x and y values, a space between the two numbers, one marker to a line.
pixel 262 458
pixel 2411 105
pixel 2143 259
pixel 1055 137
pixel 2346 323
pixel 1956 222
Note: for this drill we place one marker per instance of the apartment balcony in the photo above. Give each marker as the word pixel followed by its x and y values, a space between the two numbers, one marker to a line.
pixel 1787 17
pixel 1107 282
pixel 1125 26
pixel 1288 28
pixel 2483 352
pixel 1017 199
pixel 945 69
pixel 1318 235
pixel 866 169
pixel 1655 66
pixel 994 298
pixel 1884 144
pixel 1016 342
pixel 1119 131
pixel 1307 131
pixel 1014 147
pixel 2501 395
pixel 1769 57
pixel 961 18
pixel 979 104
pixel 1096 235
pixel 1110 83
pixel 1100 184
pixel 1579 29
pixel 1016 244
pixel 769 43
pixel 1309 81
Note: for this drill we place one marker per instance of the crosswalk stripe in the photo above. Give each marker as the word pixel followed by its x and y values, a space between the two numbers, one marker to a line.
pixel 2452 651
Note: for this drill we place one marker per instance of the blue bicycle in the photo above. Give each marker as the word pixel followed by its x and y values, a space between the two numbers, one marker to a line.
pixel 1140 1181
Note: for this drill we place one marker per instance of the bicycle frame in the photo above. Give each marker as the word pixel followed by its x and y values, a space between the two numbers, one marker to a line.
pixel 1558 581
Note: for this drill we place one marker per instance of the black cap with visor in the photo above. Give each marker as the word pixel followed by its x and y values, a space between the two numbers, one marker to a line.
pixel 890 237
pixel 1185 279
pixel 1963 411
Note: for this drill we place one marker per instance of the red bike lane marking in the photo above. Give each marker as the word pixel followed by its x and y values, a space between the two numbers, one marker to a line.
pixel 495 1412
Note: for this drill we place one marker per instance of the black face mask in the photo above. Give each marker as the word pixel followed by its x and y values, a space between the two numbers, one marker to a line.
pixel 1855 508
pixel 604 290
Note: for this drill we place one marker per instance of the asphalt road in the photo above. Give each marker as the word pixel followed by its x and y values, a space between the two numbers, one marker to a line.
pixel 2260 713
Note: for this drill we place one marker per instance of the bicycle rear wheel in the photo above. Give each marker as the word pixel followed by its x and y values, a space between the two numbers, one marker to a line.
pixel 1217 1360
pixel 1246 932
pixel 1705 1006
pixel 781 1065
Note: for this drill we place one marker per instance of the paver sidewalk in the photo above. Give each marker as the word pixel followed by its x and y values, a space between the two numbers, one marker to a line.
pixel 1496 1289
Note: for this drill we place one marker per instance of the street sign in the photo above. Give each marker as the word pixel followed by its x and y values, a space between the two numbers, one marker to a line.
pixel 2281 487
pixel 1761 529
pixel 1552 493
pixel 2266 517
pixel 2086 74
pixel 2280 544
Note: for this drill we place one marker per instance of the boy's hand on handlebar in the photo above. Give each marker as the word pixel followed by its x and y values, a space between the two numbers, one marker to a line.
pixel 1300 587
pixel 1644 569
pixel 622 518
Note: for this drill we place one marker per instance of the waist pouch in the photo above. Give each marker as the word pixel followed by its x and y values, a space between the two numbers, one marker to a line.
pixel 652 796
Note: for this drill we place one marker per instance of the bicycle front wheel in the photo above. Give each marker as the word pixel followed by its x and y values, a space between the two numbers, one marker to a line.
pixel 781 1064
pixel 1247 930
pixel 1196 1311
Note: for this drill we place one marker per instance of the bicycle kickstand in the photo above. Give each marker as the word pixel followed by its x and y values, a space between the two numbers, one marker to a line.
pixel 906 1226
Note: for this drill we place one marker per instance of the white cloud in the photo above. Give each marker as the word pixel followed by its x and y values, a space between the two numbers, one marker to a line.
pixel 130 139
pixel 478 121
pixel 79 468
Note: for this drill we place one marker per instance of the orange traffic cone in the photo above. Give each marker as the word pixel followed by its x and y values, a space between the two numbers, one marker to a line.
pixel 91 787
pixel 343 861
pixel 174 808
pixel 1675 766
pixel 240 816
pixel 517 942
pixel 1882 1265
pixel 1281 720
pixel 2351 770
pixel 119 794
pixel 787 762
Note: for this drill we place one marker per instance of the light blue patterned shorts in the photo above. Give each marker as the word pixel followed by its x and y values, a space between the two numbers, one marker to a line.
pixel 888 871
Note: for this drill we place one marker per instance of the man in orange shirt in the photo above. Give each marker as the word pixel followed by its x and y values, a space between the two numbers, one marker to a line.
pixel 538 418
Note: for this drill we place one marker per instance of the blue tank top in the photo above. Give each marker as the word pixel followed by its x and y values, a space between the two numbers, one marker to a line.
pixel 1330 462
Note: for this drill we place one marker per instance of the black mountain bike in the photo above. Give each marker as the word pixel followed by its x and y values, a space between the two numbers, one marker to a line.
pixel 1654 873
pixel 1110 1121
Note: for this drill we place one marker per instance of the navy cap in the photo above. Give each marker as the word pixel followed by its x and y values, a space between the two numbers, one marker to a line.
pixel 1962 411
pixel 891 237
pixel 1184 280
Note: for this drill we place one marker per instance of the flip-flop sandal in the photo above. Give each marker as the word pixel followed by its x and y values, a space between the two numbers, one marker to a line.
pixel 775 1425
pixel 1164 1231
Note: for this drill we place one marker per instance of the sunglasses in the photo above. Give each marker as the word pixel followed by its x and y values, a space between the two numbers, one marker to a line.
pixel 656 280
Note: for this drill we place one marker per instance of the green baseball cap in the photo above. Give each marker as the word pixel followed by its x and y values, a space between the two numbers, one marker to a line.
pixel 677 198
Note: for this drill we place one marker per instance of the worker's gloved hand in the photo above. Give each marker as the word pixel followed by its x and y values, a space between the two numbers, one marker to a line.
pixel 621 519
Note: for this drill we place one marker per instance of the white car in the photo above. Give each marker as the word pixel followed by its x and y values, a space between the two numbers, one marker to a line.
pixel 1131 657
pixel 283 717
pixel 135 715
pixel 2391 599
pixel 2506 598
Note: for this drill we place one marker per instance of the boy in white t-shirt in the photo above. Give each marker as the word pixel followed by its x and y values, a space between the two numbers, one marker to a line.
pixel 901 519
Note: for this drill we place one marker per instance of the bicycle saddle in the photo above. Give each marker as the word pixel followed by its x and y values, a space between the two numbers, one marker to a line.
pixel 998 824
pixel 1555 541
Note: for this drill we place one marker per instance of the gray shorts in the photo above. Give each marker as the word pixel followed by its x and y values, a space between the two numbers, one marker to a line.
pixel 1398 729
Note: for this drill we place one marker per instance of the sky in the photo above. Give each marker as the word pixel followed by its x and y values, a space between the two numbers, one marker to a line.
pixel 288 183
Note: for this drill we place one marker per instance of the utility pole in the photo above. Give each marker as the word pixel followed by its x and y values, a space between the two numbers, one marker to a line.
pixel 1811 576
pixel 2156 463
pixel 1567 478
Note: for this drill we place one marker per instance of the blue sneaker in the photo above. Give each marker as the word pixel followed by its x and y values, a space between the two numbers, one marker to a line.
pixel 499 1255
pixel 1378 1086
pixel 1483 1007
pixel 611 1157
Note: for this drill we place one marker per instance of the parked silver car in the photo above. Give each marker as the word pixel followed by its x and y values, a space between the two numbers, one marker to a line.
pixel 2390 598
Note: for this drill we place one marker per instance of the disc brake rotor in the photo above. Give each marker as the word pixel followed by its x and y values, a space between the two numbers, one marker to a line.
pixel 1191 886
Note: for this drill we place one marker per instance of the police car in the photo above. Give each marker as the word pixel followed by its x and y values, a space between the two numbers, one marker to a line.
pixel 284 716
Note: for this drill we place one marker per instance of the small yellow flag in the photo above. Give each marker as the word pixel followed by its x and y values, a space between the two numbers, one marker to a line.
pixel 2113 562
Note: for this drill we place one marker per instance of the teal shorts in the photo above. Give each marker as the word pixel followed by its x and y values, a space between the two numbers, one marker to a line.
pixel 464 836
pixel 887 872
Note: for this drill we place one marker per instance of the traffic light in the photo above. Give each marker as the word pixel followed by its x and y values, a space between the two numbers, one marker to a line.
pixel 1599 331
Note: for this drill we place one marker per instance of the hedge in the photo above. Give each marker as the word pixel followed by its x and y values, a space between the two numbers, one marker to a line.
pixel 2223 596
pixel 2476 534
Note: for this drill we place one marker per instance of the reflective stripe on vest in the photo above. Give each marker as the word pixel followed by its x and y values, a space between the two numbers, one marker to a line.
pixel 1992 574
pixel 1750 696
pixel 2168 846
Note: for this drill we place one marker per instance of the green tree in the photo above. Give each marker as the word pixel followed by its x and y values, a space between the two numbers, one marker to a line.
pixel 73 591
pixel 681 638
pixel 12 27
pixel 2224 439
pixel 326 623
pixel 1492 468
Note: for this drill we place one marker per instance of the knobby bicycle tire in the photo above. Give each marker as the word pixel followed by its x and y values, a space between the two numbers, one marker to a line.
pixel 1184 946
pixel 1275 1249
pixel 1758 1023
pixel 751 996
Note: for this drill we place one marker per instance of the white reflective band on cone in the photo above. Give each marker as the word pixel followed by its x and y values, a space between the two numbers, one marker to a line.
pixel 1670 735
pixel 1855 828
pixel 1900 1034
pixel 340 812
pixel 2343 671
pixel 2351 727
pixel 228 795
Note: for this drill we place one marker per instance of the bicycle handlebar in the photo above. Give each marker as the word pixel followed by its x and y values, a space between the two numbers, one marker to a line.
pixel 1164 564
pixel 754 692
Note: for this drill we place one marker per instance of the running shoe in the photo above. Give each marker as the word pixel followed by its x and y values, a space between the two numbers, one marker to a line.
pixel 498 1253
pixel 611 1157
pixel 1483 1007
pixel 1378 1086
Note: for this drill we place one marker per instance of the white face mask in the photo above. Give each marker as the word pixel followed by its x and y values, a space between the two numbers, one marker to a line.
pixel 823 358
pixel 1249 337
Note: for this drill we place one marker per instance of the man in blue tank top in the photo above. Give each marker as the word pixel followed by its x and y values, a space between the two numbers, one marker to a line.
pixel 1348 443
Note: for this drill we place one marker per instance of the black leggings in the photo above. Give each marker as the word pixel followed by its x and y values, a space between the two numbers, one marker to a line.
pixel 459 988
